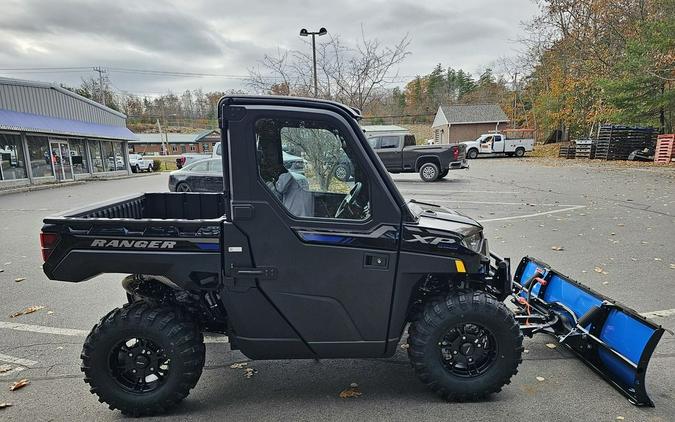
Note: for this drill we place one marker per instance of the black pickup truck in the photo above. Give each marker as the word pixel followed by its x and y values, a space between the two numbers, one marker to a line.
pixel 400 154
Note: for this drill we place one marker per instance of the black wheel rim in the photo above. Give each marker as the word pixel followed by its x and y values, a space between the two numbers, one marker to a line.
pixel 139 365
pixel 467 350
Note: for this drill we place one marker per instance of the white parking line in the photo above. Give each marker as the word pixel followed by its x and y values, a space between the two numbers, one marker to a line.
pixel 78 333
pixel 662 314
pixel 22 364
pixel 533 215
pixel 450 201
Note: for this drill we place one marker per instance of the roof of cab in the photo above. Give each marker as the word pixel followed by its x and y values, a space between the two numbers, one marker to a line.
pixel 285 100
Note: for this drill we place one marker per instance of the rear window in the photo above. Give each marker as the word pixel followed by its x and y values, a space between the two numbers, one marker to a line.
pixel 409 140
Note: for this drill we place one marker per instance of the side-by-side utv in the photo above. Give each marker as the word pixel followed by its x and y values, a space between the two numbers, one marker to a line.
pixel 308 266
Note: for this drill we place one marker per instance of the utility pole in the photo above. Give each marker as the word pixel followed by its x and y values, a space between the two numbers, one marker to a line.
pixel 101 92
pixel 304 33
pixel 515 99
pixel 161 139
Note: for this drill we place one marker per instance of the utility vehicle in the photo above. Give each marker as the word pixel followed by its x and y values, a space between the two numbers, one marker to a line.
pixel 498 143
pixel 334 270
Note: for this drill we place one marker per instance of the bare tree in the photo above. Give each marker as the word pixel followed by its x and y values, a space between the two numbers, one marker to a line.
pixel 356 75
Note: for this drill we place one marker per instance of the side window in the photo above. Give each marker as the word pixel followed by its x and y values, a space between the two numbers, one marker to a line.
pixel 390 142
pixel 201 166
pixel 409 140
pixel 498 138
pixel 215 166
pixel 306 165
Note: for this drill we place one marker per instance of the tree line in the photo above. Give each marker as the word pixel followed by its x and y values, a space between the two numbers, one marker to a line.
pixel 581 63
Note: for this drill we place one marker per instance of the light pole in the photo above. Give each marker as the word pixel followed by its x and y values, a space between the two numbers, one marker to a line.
pixel 304 33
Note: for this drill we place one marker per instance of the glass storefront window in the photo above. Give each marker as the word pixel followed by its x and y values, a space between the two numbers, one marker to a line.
pixel 108 155
pixel 12 164
pixel 120 157
pixel 79 156
pixel 96 156
pixel 40 157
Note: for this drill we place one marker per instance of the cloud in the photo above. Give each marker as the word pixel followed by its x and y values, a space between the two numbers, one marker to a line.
pixel 228 37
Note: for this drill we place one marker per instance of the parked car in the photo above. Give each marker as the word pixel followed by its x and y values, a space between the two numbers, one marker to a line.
pixel 293 163
pixel 401 154
pixel 138 163
pixel 498 143
pixel 205 175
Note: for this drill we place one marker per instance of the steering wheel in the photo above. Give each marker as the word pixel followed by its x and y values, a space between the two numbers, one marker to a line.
pixel 349 201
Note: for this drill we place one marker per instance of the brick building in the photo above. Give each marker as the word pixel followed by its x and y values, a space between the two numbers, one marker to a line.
pixel 177 143
pixel 457 123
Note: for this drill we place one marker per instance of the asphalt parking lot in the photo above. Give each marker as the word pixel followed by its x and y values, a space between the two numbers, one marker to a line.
pixel 621 220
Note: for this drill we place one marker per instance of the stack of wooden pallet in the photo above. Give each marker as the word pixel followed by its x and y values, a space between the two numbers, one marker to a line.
pixel 617 142
pixel 665 149
pixel 585 148
pixel 567 150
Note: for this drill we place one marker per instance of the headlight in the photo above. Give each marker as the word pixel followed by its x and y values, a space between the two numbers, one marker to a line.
pixel 473 241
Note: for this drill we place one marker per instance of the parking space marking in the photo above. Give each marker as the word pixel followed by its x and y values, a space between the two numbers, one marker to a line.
pixel 71 332
pixel 22 364
pixel 515 217
pixel 663 314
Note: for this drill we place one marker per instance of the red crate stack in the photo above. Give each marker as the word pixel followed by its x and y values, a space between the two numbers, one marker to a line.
pixel 665 148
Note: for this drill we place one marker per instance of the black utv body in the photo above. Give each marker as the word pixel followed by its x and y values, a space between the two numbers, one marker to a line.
pixel 336 271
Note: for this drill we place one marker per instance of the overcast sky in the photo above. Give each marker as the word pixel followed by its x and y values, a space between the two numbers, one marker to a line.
pixel 224 37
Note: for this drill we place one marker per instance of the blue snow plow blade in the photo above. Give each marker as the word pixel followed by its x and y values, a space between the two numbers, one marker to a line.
pixel 611 338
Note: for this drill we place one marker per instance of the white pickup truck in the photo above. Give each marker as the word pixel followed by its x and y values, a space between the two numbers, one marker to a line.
pixel 138 163
pixel 497 143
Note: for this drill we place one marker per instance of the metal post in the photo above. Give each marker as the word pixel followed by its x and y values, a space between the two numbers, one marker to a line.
pixel 100 83
pixel 316 84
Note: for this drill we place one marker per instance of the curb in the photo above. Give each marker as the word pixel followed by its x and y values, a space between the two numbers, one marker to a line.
pixel 56 185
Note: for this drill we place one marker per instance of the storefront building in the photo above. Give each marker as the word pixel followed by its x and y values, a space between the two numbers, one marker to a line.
pixel 49 134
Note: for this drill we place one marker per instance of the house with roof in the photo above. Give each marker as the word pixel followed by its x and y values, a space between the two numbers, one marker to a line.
pixel 457 123
pixel 175 143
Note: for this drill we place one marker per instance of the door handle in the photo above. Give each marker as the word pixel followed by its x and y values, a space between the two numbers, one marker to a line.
pixel 376 261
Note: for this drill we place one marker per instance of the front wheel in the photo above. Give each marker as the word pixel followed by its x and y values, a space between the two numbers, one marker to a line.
pixel 429 172
pixel 466 346
pixel 143 359
pixel 342 172
pixel 473 153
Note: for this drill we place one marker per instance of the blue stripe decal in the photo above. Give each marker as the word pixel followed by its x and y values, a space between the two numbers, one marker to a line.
pixel 209 246
pixel 326 238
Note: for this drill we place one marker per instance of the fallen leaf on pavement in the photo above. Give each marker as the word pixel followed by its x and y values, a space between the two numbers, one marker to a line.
pixel 239 365
pixel 352 391
pixel 672 266
pixel 598 269
pixel 19 280
pixel 526 351
pixel 5 405
pixel 404 346
pixel 541 379
pixel 551 345
pixel 5 368
pixel 2 270
pixel 249 372
pixel 19 384
pixel 657 259
pixel 604 283
pixel 28 310
pixel 557 248
pixel 620 418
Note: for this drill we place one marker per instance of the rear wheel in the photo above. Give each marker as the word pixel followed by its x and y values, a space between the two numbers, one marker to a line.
pixel 143 359
pixel 183 187
pixel 473 153
pixel 520 151
pixel 136 169
pixel 429 172
pixel 466 346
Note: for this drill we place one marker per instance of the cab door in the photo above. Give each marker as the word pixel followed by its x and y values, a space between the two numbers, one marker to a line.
pixel 486 145
pixel 390 152
pixel 498 144
pixel 324 250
